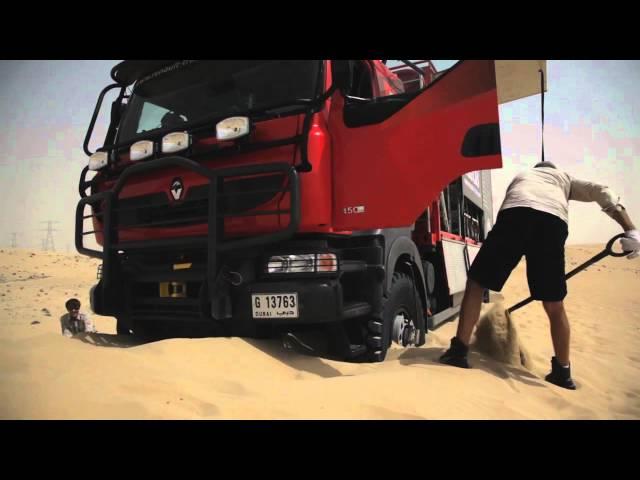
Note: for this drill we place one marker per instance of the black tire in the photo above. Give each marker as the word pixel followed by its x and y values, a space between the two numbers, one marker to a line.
pixel 402 298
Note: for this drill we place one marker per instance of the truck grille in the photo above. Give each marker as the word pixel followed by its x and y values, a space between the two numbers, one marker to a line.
pixel 237 196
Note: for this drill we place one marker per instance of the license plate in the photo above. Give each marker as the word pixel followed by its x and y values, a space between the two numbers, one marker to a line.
pixel 275 305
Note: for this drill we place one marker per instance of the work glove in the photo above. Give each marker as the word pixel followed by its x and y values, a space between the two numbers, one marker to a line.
pixel 631 243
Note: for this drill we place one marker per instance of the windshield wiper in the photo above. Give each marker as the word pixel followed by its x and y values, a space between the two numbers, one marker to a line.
pixel 289 106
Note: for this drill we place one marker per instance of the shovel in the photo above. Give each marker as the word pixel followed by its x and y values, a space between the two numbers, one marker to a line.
pixel 496 334
pixel 608 250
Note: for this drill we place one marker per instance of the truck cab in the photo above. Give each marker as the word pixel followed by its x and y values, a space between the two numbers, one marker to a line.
pixel 246 198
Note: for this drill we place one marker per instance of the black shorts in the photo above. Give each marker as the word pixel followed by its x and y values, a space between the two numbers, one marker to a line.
pixel 520 231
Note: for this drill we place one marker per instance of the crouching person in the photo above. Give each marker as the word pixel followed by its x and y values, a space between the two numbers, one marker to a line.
pixel 75 322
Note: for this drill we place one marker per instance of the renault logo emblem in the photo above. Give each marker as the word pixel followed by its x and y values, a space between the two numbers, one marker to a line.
pixel 176 189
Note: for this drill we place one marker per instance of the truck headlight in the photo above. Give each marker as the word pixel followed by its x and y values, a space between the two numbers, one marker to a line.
pixel 98 160
pixel 140 150
pixel 232 127
pixel 306 263
pixel 176 141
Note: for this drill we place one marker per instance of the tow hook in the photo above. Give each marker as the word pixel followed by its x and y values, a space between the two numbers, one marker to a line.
pixel 234 278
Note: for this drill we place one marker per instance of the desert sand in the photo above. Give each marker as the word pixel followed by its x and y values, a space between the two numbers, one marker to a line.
pixel 44 375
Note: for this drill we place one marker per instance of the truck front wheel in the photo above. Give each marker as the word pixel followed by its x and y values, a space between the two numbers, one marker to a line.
pixel 401 306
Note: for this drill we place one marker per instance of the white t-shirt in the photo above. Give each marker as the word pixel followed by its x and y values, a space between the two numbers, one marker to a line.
pixel 549 190
pixel 82 324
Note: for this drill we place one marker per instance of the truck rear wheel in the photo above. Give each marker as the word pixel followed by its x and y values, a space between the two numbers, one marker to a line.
pixel 403 301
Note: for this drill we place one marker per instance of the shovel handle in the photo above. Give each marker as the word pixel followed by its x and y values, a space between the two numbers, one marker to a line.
pixel 520 305
pixel 609 247
pixel 605 253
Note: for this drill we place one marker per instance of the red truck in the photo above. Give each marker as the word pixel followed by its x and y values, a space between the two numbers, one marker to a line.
pixel 245 198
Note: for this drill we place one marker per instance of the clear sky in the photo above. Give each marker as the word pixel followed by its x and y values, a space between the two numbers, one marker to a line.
pixel 592 129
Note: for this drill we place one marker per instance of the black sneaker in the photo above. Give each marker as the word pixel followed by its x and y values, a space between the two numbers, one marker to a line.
pixel 560 375
pixel 456 356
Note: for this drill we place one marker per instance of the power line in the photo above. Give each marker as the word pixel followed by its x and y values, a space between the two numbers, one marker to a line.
pixel 47 242
pixel 14 239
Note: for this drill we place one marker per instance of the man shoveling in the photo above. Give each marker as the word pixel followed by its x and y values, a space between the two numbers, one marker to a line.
pixel 533 221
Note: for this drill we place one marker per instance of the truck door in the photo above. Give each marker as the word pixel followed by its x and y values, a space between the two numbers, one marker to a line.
pixel 393 154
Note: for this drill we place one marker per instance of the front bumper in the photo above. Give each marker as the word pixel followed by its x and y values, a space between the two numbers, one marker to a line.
pixel 215 243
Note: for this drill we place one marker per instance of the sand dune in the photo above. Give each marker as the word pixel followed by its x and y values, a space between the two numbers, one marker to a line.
pixel 44 375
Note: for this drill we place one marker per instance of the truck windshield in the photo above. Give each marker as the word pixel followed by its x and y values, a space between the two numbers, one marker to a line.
pixel 190 91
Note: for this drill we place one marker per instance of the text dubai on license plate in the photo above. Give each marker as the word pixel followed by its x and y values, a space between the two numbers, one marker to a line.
pixel 274 305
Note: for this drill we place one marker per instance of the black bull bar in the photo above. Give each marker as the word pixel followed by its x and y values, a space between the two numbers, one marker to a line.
pixel 214 240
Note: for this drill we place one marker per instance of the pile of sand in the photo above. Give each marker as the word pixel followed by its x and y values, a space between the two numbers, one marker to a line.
pixel 497 337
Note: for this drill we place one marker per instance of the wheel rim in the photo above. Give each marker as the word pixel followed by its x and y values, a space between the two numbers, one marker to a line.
pixel 404 330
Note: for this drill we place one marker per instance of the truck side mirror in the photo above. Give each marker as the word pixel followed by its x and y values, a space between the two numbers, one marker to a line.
pixel 117 109
pixel 342 72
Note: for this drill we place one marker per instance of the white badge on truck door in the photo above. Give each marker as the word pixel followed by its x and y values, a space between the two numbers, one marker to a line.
pixel 352 210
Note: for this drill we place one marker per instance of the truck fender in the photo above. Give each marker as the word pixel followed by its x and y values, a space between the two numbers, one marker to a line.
pixel 404 246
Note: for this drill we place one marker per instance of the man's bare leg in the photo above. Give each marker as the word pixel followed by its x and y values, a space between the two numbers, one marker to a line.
pixel 560 335
pixel 469 311
pixel 469 315
pixel 560 330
